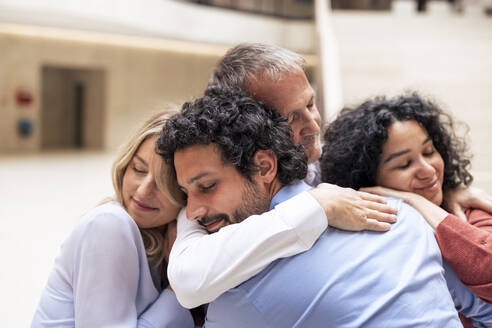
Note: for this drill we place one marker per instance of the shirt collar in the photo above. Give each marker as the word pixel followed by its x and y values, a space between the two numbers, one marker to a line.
pixel 288 192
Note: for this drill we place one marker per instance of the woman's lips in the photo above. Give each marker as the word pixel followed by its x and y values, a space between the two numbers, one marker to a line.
pixel 431 187
pixel 141 206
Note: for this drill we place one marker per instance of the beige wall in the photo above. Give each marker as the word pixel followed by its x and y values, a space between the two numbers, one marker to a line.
pixel 447 58
pixel 138 78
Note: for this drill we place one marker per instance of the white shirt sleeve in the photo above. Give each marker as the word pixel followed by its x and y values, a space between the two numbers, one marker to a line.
pixel 202 266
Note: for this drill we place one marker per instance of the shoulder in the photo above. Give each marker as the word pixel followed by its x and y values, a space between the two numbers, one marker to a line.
pixel 480 219
pixel 110 218
pixel 107 231
pixel 398 203
pixel 477 213
pixel 407 215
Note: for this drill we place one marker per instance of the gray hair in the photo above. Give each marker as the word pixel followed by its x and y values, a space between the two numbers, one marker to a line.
pixel 249 61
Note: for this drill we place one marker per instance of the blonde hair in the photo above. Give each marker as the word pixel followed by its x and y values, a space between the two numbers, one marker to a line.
pixel 153 238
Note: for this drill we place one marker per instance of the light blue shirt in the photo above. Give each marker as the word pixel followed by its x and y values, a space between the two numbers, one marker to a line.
pixel 101 278
pixel 364 279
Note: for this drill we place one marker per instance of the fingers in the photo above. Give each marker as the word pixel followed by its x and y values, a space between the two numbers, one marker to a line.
pixel 459 212
pixel 381 216
pixel 374 225
pixel 369 189
pixel 481 200
pixel 385 192
pixel 378 207
pixel 371 197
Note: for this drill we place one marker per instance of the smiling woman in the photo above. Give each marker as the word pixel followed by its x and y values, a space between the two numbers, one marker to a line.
pixel 142 198
pixel 410 162
pixel 407 145
pixel 111 270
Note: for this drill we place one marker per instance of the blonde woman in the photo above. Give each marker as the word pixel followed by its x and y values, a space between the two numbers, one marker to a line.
pixel 111 270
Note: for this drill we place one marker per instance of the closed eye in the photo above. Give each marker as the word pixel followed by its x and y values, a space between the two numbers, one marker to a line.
pixel 293 117
pixel 429 153
pixel 139 171
pixel 402 167
pixel 208 187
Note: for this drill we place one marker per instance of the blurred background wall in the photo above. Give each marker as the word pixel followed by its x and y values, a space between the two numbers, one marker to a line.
pixel 79 75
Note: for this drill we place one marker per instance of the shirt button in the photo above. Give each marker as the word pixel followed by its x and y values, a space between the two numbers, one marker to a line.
pixel 483 242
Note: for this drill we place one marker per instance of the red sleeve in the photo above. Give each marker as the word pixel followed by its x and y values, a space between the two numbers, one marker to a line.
pixel 467 247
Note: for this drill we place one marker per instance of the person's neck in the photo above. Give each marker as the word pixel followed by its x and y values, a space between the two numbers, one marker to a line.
pixel 273 188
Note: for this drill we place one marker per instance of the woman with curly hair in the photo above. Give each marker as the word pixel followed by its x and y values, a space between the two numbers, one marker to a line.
pixel 111 270
pixel 408 147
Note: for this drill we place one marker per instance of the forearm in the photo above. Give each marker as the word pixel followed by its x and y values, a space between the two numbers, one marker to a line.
pixel 203 266
pixel 467 247
pixel 432 213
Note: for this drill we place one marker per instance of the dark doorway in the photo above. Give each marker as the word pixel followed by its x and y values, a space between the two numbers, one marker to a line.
pixel 72 108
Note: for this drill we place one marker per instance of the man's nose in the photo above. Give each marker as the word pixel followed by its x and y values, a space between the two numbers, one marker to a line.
pixel 311 121
pixel 195 210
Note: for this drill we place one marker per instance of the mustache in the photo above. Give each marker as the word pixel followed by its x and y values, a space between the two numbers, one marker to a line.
pixel 212 218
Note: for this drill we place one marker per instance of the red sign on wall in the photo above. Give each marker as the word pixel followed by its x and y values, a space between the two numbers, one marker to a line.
pixel 23 98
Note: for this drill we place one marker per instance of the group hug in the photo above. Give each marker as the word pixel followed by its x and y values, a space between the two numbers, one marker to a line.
pixel 240 209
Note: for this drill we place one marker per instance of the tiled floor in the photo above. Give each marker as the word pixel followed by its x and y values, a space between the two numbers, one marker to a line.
pixel 448 56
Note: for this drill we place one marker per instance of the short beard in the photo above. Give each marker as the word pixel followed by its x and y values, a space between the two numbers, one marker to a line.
pixel 253 201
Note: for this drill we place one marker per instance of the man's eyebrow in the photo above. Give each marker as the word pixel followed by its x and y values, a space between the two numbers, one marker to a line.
pixel 198 177
pixel 394 155
pixel 141 159
pixel 311 101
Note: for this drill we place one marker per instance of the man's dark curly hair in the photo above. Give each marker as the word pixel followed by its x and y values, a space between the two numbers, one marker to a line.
pixel 239 126
pixel 354 141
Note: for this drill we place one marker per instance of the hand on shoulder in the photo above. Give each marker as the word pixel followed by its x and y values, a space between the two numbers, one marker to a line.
pixel 352 210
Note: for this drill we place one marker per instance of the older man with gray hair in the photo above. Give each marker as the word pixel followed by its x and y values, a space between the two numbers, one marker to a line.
pixel 276 76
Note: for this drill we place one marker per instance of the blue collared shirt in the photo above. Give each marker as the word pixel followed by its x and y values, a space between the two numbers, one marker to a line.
pixel 364 279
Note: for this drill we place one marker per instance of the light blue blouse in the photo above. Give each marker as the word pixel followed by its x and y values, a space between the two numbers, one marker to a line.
pixel 101 278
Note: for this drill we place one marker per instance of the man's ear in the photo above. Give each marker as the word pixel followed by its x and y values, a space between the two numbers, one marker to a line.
pixel 266 162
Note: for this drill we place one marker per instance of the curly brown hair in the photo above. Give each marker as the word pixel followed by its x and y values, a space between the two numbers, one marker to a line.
pixel 354 141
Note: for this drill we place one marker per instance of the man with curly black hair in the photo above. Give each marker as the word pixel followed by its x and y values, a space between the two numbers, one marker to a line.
pixel 244 134
pixel 233 158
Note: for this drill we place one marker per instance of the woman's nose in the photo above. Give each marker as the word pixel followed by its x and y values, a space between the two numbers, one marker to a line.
pixel 147 187
pixel 426 170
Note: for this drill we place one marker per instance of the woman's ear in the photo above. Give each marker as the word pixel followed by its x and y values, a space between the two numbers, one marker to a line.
pixel 266 162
